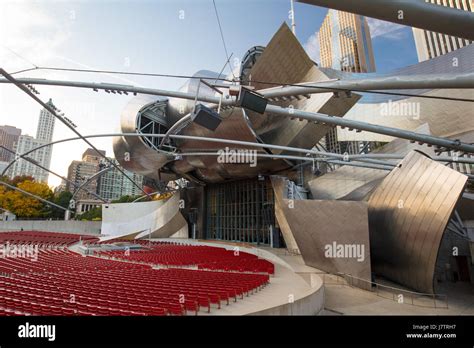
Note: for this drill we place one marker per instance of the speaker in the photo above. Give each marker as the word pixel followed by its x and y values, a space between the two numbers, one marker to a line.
pixel 252 100
pixel 206 117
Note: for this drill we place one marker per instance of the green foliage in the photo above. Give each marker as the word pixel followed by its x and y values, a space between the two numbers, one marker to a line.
pixel 95 214
pixel 126 199
pixel 62 199
pixel 24 206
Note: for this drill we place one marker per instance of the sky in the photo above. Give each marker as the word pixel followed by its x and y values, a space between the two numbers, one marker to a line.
pixel 154 36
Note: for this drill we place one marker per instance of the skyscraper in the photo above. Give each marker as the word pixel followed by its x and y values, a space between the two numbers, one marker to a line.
pixel 25 143
pixel 8 137
pixel 113 184
pixel 110 185
pixel 80 171
pixel 345 43
pixel 45 129
pixel 42 156
pixel 430 45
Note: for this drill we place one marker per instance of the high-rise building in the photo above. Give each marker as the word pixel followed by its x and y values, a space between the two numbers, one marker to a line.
pixel 45 128
pixel 25 143
pixel 345 43
pixel 80 171
pixel 113 184
pixel 42 156
pixel 430 44
pixel 110 185
pixel 3 166
pixel 8 137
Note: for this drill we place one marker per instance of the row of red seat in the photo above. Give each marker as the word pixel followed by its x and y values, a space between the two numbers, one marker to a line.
pixel 60 282
pixel 43 238
pixel 205 257
pixel 142 291
pixel 54 260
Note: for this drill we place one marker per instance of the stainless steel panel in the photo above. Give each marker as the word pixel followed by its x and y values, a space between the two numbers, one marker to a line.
pixel 318 224
pixel 132 152
pixel 284 60
pixel 234 126
pixel 408 213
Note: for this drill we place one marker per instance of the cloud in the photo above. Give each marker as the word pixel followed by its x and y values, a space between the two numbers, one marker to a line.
pixel 29 34
pixel 385 29
pixel 312 47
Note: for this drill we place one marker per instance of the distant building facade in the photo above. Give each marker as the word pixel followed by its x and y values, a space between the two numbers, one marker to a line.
pixel 8 137
pixel 80 171
pixel 61 187
pixel 345 43
pixel 3 166
pixel 111 185
pixel 45 129
pixel 25 143
pixel 430 45
pixel 42 156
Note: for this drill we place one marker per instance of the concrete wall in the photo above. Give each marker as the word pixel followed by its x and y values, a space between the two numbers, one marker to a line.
pixel 78 227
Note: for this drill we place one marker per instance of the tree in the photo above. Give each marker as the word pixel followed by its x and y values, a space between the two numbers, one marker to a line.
pixel 126 199
pixel 23 205
pixel 95 214
pixel 21 178
pixel 3 197
pixel 62 199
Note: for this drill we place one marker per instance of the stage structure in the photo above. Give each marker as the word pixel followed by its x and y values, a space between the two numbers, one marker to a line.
pixel 249 153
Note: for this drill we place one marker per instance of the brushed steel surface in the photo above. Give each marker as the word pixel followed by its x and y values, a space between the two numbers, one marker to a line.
pixel 234 126
pixel 408 213
pixel 284 60
pixel 318 224
pixel 354 183
pixel 142 159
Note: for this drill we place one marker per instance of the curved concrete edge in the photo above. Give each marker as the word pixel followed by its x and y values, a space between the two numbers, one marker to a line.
pixel 288 293
pixel 92 228
pixel 310 304
pixel 264 254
